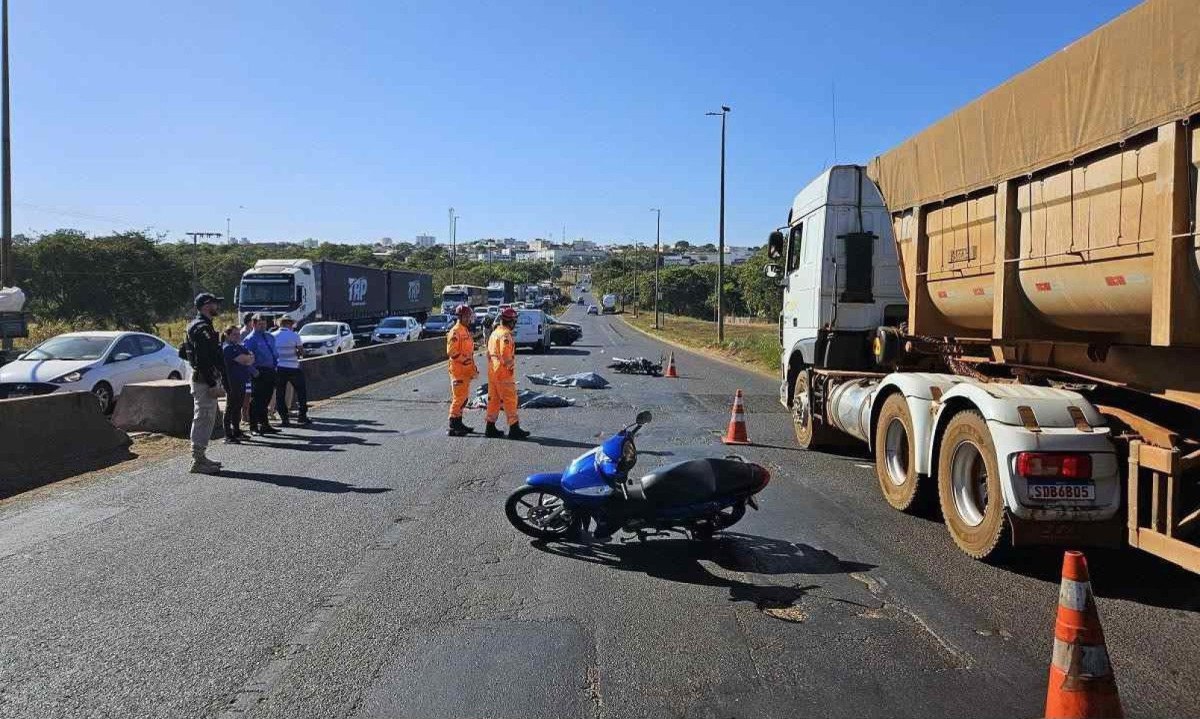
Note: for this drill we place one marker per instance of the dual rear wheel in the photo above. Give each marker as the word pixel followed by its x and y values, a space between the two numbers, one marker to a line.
pixel 968 478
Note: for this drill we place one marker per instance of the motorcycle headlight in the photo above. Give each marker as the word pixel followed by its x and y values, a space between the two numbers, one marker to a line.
pixel 72 376
pixel 330 343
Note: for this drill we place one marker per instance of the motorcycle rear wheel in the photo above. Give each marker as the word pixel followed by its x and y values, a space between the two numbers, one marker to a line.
pixel 541 512
pixel 723 519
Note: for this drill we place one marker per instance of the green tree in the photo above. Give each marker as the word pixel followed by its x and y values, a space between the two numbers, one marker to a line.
pixel 122 280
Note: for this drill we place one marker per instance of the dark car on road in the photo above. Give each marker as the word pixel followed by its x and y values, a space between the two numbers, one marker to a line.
pixel 437 325
pixel 562 333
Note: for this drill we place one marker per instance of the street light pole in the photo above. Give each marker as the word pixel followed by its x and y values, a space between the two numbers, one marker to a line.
pixel 453 248
pixel 195 241
pixel 657 258
pixel 636 287
pixel 721 236
pixel 7 275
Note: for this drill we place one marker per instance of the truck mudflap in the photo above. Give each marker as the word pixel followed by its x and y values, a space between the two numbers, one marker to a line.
pixel 1058 533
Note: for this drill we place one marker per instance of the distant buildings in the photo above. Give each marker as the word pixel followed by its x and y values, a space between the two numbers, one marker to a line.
pixel 425 241
pixel 733 256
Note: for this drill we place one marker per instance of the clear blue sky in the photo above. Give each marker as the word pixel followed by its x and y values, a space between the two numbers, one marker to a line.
pixel 369 118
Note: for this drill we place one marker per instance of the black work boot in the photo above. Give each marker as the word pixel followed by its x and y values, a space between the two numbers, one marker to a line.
pixel 491 432
pixel 515 431
pixel 458 429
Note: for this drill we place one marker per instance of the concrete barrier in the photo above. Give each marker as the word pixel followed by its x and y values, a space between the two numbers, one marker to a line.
pixel 163 406
pixel 38 432
pixel 333 374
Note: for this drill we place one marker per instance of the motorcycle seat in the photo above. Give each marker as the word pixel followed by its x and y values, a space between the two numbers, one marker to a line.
pixel 695 480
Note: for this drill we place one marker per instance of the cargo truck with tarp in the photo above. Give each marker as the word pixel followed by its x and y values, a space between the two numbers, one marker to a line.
pixel 306 291
pixel 1006 307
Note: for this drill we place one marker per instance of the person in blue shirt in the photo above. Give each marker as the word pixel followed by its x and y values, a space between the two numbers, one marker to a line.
pixel 239 363
pixel 261 343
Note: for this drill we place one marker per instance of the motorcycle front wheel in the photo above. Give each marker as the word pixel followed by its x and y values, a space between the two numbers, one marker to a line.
pixel 541 512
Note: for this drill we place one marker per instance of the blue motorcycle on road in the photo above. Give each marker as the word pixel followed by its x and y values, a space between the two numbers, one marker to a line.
pixel 698 497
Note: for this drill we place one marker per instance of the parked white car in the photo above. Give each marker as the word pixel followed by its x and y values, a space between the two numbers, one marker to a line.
pixel 396 329
pixel 98 362
pixel 326 338
pixel 531 330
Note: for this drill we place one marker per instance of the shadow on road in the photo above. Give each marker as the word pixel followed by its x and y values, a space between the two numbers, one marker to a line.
pixel 18 478
pixel 307 442
pixel 560 351
pixel 556 442
pixel 1117 574
pixel 679 560
pixel 355 426
pixel 308 484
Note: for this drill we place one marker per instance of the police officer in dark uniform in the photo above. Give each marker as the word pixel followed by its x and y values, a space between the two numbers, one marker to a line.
pixel 203 350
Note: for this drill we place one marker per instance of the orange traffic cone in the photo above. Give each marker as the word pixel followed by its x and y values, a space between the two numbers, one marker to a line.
pixel 671 366
pixel 736 433
pixel 1082 685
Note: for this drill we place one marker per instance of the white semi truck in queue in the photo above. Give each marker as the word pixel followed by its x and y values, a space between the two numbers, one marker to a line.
pixel 1006 308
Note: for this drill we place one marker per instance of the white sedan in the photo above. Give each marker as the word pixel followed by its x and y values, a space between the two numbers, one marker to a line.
pixel 326 338
pixel 396 329
pixel 98 362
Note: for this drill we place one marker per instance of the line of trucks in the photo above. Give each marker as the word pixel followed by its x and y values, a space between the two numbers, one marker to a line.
pixel 307 291
pixel 501 292
pixel 1006 308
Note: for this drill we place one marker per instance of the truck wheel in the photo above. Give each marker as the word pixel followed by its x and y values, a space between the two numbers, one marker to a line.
pixel 810 433
pixel 969 487
pixel 894 454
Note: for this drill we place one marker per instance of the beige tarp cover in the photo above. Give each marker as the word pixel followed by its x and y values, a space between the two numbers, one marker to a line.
pixel 1138 71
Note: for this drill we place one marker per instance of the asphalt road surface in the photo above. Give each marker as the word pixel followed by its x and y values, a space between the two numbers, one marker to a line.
pixel 364 568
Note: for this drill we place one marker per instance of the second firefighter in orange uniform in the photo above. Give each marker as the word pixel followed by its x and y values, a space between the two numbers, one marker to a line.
pixel 502 379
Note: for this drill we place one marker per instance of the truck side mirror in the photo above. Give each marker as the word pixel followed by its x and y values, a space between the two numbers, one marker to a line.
pixel 773 271
pixel 775 245
pixel 237 291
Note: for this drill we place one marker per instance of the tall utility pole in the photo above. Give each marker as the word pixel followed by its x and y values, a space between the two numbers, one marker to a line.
pixel 657 258
pixel 7 278
pixel 450 234
pixel 454 249
pixel 228 236
pixel 637 290
pixel 721 236
pixel 195 240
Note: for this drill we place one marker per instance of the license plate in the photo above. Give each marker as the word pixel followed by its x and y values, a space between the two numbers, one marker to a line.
pixel 1074 492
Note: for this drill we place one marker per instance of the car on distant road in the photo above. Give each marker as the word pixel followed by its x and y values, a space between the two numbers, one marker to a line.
pixel 562 333
pixel 579 301
pixel 437 325
pixel 326 338
pixel 593 310
pixel 396 329
pixel 98 362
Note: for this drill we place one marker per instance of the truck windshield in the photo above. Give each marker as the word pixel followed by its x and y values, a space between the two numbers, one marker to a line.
pixel 266 293
pixel 460 297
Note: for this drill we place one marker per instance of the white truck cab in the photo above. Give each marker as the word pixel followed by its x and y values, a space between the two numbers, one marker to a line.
pixel 840 275
pixel 1008 463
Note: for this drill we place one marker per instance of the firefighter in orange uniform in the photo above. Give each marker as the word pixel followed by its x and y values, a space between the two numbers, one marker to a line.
pixel 460 354
pixel 502 380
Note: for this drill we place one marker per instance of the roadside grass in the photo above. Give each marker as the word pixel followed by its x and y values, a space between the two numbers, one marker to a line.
pixel 754 344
